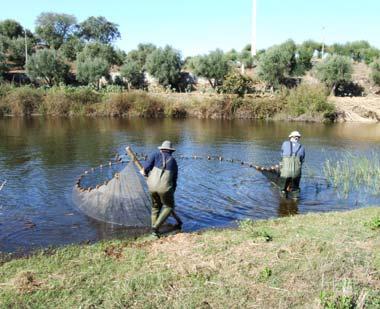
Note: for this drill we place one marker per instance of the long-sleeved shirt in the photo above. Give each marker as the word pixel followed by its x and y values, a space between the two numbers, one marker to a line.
pixel 156 160
pixel 289 148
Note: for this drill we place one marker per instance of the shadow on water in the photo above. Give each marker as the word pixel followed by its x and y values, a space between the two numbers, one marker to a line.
pixel 41 158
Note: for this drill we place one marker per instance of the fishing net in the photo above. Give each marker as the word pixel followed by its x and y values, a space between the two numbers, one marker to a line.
pixel 114 193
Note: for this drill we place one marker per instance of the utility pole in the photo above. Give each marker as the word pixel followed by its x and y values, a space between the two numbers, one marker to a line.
pixel 253 42
pixel 323 42
pixel 26 49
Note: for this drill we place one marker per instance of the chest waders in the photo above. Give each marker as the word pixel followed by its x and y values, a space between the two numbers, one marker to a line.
pixel 291 165
pixel 161 186
pixel 290 172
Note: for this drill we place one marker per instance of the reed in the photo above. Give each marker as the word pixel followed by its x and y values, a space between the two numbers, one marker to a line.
pixel 354 172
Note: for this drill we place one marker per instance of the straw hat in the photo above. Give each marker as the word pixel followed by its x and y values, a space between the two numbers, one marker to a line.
pixel 295 134
pixel 166 145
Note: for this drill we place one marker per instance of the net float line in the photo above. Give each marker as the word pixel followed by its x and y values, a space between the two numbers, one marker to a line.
pixel 144 157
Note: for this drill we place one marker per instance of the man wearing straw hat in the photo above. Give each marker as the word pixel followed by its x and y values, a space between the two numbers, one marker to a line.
pixel 162 171
pixel 293 156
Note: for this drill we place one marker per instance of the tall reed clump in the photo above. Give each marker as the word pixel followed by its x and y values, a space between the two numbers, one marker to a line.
pixel 117 104
pixel 57 103
pixel 23 101
pixel 354 172
pixel 143 105
pixel 309 100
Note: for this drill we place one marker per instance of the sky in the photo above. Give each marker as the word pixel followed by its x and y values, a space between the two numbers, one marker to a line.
pixel 199 26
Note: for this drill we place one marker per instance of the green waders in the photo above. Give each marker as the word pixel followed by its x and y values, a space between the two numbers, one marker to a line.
pixel 162 206
pixel 161 188
pixel 290 174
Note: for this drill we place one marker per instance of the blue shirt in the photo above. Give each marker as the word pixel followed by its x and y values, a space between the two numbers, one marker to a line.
pixel 288 148
pixel 156 160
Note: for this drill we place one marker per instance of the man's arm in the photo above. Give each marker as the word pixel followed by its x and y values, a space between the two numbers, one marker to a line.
pixel 149 164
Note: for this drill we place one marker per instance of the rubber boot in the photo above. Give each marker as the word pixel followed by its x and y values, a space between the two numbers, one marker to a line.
pixel 164 214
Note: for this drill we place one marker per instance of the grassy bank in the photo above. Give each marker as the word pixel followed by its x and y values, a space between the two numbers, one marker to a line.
pixel 327 260
pixel 303 103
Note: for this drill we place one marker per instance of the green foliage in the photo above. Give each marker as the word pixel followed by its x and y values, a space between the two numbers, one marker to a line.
pixel 265 274
pixel 71 48
pixel 11 29
pixel 3 64
pixel 375 71
pixel 47 65
pixel 277 63
pixel 307 99
pixel 304 53
pixel 213 66
pixel 165 64
pixel 54 28
pixel 374 223
pixel 91 70
pixel 98 29
pixel 370 54
pixel 99 50
pixel 132 71
pixel 251 228
pixel 141 54
pixel 334 69
pixel 237 83
pixel 16 50
pixel 354 172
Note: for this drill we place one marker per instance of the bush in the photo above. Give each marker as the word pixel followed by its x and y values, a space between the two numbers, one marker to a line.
pixel 144 105
pixel 24 100
pixel 118 104
pixel 57 103
pixel 334 70
pixel 375 71
pixel 237 83
pixel 132 71
pixel 83 95
pixel 307 99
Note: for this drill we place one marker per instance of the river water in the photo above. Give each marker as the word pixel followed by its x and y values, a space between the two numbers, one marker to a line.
pixel 42 157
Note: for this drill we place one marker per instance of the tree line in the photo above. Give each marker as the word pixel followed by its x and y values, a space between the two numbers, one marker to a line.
pixel 63 50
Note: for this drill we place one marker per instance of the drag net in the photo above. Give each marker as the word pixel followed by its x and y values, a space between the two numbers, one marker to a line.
pixel 118 197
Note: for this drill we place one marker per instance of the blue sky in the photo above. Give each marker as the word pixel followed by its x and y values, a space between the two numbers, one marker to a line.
pixel 198 26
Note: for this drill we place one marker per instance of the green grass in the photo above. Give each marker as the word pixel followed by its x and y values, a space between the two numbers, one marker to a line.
pixel 327 260
pixel 354 172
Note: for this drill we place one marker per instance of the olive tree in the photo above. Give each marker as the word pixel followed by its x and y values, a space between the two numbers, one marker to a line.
pixel 165 64
pixel 134 74
pixel 104 51
pixel 3 64
pixel 98 29
pixel 213 66
pixel 334 70
pixel 11 28
pixel 375 71
pixel 141 54
pixel 91 70
pixel 277 63
pixel 54 28
pixel 47 65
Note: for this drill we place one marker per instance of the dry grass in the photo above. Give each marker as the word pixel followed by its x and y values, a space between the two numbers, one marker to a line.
pixel 310 261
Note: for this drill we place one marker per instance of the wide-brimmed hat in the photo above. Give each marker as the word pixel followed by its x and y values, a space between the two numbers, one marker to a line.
pixel 295 134
pixel 166 145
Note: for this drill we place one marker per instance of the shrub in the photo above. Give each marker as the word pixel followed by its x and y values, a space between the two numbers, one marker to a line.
pixel 375 71
pixel 118 104
pixel 24 100
pixel 57 103
pixel 308 99
pixel 145 106
pixel 132 71
pixel 237 83
pixel 334 70
pixel 83 95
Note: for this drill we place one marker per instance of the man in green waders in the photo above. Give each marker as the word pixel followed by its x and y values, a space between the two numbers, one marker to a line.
pixel 162 171
pixel 293 156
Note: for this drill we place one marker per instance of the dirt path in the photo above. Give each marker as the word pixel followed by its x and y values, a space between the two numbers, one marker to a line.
pixel 358 109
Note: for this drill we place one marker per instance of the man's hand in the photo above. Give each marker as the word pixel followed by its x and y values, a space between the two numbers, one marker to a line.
pixel 142 172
